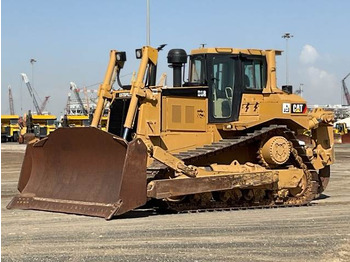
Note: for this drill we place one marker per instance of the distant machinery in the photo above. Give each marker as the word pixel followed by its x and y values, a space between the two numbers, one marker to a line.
pixel 39 109
pixel 44 103
pixel 299 91
pixel 346 91
pixel 12 108
pixel 9 123
pixel 31 92
pixel 80 106
pixel 340 111
pixel 68 105
pixel 75 90
pixel 87 100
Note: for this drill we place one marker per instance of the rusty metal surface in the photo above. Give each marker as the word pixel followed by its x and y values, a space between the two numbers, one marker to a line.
pixel 324 176
pixel 178 187
pixel 83 171
pixel 28 137
pixel 26 168
pixel 346 138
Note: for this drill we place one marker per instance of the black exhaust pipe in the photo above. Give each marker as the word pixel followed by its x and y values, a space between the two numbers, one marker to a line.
pixel 176 59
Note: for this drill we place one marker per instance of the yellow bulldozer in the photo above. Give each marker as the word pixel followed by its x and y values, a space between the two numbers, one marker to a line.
pixel 227 138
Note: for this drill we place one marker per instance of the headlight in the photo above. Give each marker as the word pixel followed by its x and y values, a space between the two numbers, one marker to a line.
pixel 121 56
pixel 138 53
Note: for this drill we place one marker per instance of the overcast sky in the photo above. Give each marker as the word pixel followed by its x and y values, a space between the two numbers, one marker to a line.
pixel 71 40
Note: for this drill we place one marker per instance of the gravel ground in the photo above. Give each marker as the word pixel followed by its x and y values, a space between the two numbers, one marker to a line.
pixel 320 232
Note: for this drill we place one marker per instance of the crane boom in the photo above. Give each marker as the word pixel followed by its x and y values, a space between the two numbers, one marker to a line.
pixel 346 91
pixel 43 105
pixel 68 105
pixel 31 92
pixel 87 100
pixel 12 109
pixel 75 90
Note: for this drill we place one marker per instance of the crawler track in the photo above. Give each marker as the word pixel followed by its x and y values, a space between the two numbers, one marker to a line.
pixel 240 208
pixel 271 198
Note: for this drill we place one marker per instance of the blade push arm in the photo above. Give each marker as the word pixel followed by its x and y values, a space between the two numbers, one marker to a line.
pixel 138 90
pixel 116 62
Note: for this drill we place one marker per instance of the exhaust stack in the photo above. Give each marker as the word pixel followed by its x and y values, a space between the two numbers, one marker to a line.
pixel 177 58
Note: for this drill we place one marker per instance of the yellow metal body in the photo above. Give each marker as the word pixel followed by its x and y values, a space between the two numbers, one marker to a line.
pixel 176 123
pixel 47 121
pixel 77 120
pixel 105 88
pixel 104 123
pixel 138 89
pixel 170 123
pixel 9 127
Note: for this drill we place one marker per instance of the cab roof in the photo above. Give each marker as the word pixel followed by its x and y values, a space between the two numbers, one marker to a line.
pixel 9 116
pixel 77 117
pixel 44 117
pixel 230 50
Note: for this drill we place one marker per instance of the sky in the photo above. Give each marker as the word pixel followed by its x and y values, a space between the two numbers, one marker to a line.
pixel 71 40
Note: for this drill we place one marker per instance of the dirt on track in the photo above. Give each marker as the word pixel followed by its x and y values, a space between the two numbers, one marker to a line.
pixel 320 232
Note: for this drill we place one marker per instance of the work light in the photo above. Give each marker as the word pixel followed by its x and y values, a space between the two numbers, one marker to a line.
pixel 121 56
pixel 138 53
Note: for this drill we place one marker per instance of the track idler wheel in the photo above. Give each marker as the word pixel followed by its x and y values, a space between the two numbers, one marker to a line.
pixel 276 151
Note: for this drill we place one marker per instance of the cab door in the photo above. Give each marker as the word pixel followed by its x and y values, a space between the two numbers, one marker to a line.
pixel 224 94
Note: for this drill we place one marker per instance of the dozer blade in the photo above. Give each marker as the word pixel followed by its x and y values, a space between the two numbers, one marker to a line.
pixel 83 171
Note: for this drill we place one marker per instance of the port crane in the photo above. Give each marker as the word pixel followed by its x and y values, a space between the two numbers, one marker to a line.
pixel 12 108
pixel 31 92
pixel 44 103
pixel 39 110
pixel 345 90
pixel 75 90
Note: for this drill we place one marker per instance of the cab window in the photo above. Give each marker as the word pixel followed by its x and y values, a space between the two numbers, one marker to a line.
pixel 197 75
pixel 86 122
pixel 254 77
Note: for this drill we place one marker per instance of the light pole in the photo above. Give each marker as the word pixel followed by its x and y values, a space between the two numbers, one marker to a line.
pixel 287 36
pixel 32 61
pixel 148 25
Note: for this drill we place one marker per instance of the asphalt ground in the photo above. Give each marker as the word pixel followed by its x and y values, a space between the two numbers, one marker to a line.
pixel 320 232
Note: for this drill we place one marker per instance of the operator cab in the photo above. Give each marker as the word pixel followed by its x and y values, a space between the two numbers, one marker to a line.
pixel 227 74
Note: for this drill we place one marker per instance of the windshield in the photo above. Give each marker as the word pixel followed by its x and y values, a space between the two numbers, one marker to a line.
pixel 86 122
pixel 50 122
pixel 13 121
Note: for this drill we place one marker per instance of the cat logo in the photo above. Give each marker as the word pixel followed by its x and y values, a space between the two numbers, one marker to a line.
pixel 298 108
